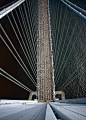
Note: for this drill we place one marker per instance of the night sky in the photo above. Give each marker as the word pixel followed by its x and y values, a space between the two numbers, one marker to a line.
pixel 9 90
pixel 6 2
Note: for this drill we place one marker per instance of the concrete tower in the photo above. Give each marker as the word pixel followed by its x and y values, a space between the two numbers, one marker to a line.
pixel 45 82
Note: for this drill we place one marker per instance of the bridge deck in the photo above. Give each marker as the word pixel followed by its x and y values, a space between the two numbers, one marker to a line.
pixel 24 110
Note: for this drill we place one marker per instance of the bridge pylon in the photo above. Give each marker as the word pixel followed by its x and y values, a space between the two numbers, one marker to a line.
pixel 45 77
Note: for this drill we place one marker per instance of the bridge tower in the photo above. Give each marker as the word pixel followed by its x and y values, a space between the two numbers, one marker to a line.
pixel 45 80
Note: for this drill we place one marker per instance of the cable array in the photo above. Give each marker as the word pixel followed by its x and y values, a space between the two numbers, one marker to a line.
pixel 68 33
pixel 12 79
pixel 23 26
pixel 68 39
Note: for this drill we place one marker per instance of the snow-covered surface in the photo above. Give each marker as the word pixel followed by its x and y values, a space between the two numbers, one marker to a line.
pixel 69 111
pixel 2 102
pixel 49 114
pixel 30 110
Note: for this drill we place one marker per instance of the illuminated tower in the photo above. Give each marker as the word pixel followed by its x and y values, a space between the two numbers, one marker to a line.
pixel 45 82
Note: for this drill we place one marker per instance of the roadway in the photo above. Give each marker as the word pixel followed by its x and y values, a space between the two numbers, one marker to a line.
pixel 69 111
pixel 23 111
pixel 42 111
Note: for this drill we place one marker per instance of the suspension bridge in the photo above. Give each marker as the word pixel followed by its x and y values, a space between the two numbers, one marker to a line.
pixel 43 54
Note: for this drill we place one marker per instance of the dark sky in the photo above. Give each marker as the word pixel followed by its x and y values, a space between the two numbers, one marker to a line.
pixel 5 2
pixel 9 90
